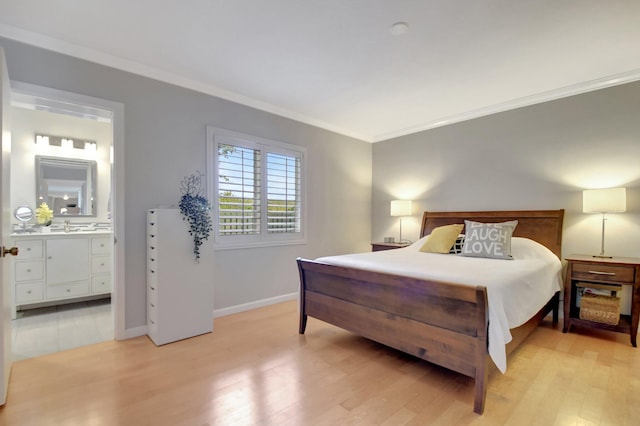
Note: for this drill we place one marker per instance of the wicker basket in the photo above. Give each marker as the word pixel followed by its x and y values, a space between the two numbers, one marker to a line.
pixel 603 309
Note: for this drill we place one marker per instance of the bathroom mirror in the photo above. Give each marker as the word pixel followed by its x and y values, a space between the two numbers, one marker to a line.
pixel 68 186
pixel 23 214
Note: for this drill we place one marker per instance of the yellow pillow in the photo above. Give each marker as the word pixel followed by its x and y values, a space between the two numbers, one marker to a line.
pixel 442 238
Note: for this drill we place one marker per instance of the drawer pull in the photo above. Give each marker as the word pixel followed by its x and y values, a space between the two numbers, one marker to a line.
pixel 152 288
pixel 68 290
pixel 28 270
pixel 612 274
pixel 28 291
pixel 152 305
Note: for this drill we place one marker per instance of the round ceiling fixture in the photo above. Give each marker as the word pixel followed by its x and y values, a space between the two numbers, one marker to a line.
pixel 399 28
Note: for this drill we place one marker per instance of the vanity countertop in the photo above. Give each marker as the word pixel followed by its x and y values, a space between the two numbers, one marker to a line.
pixel 60 232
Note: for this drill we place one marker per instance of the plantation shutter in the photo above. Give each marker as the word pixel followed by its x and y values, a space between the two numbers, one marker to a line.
pixel 283 193
pixel 257 190
pixel 238 190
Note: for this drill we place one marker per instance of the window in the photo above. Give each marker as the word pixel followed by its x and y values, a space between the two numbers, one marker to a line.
pixel 257 190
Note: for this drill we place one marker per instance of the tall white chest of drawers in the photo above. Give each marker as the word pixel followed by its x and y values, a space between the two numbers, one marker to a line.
pixel 179 289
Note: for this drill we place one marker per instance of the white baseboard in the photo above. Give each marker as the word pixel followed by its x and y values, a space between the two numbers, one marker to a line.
pixel 254 305
pixel 142 330
pixel 130 333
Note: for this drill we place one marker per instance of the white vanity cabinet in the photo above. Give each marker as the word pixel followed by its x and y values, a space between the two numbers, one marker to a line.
pixel 179 289
pixel 58 267
pixel 101 265
pixel 67 260
pixel 29 272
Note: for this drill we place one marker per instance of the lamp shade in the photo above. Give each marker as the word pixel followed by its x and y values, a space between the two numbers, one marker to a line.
pixel 401 208
pixel 610 200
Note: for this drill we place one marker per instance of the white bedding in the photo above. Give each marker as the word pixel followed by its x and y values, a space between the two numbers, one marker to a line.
pixel 516 289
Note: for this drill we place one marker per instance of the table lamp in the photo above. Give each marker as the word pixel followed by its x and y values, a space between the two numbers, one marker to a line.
pixel 610 200
pixel 401 208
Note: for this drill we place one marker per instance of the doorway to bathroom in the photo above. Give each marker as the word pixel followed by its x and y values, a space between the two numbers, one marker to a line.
pixel 63 160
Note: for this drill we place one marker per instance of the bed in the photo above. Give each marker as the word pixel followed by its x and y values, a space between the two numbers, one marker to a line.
pixel 389 308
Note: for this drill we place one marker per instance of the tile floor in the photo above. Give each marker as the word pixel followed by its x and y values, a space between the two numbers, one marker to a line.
pixel 57 328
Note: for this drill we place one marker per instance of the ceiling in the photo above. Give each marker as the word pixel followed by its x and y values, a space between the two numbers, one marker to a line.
pixel 336 64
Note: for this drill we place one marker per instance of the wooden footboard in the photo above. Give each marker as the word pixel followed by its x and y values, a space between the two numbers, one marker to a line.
pixel 442 323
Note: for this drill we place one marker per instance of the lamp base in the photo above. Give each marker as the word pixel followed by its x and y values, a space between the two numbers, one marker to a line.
pixel 602 256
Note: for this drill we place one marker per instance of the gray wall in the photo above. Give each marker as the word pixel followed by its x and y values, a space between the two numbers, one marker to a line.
pixel 538 157
pixel 165 140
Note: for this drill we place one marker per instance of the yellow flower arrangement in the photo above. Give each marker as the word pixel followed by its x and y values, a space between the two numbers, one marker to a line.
pixel 44 214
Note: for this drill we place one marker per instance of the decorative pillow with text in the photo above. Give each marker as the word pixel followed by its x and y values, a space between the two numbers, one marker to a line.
pixel 490 240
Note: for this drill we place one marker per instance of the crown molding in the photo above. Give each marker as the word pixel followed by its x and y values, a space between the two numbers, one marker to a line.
pixel 92 55
pixel 550 95
pixel 101 58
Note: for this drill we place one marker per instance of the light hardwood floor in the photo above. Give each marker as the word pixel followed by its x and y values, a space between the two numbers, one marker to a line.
pixel 254 369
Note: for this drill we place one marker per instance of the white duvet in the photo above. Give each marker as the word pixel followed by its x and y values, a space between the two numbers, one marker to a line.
pixel 516 289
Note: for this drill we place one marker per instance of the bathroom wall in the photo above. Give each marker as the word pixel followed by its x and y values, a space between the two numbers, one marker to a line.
pixel 25 123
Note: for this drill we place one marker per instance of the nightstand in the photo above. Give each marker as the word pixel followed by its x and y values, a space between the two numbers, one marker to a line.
pixel 387 246
pixel 583 270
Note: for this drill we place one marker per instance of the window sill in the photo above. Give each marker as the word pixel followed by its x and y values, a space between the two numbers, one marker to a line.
pixel 217 247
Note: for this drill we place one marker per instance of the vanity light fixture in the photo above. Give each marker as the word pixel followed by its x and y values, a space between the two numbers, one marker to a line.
pixel 65 142
pixel 42 141
pixel 90 146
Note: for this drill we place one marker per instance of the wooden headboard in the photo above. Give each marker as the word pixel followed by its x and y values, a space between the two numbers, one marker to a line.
pixel 543 226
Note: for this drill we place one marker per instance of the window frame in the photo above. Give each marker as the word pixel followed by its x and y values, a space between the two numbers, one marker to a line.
pixel 217 136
